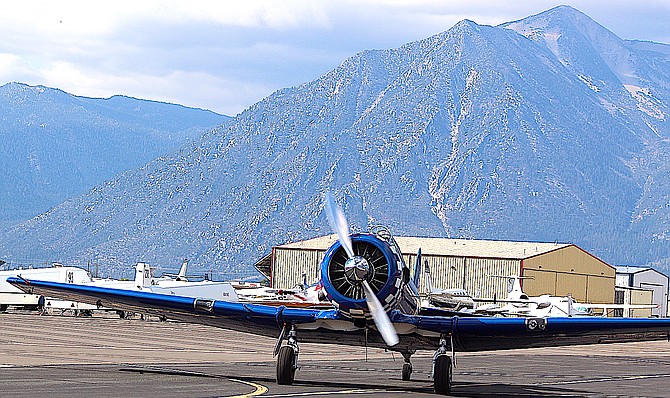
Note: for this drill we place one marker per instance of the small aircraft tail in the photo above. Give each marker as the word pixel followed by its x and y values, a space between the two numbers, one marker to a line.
pixel 182 271
pixel 429 282
pixel 514 291
pixel 143 275
pixel 417 269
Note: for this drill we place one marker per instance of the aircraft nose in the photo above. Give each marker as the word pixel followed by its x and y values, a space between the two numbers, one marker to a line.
pixel 356 269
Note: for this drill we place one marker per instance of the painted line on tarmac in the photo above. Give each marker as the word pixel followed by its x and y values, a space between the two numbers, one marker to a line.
pixel 260 389
pixel 602 379
pixel 319 393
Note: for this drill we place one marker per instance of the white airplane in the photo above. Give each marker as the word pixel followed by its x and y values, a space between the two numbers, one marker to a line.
pixel 145 280
pixel 11 296
pixel 519 303
pixel 375 304
pixel 457 300
pixel 303 296
pixel 181 276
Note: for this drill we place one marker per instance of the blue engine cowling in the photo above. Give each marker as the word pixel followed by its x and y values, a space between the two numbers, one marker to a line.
pixel 385 276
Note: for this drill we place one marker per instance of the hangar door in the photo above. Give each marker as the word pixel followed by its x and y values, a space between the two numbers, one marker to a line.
pixel 569 270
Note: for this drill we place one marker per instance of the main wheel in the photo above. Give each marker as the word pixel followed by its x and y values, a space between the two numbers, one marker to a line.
pixel 442 375
pixel 406 371
pixel 286 365
pixel 3 307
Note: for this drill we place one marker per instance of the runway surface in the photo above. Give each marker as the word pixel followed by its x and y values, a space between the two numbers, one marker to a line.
pixel 103 356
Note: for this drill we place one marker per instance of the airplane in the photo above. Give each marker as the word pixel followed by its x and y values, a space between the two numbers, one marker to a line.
pixel 519 303
pixel 304 296
pixel 181 276
pixel 376 304
pixel 457 300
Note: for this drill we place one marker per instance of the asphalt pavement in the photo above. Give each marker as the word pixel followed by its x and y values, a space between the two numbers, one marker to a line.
pixel 104 356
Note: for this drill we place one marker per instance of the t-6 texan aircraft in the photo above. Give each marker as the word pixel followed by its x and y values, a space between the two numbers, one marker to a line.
pixel 375 304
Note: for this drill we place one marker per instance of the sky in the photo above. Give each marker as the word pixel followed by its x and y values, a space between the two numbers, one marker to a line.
pixel 227 55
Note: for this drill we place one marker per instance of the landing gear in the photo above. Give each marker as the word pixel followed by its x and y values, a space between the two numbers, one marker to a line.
pixel 406 371
pixel 287 359
pixel 442 375
pixel 286 365
pixel 442 369
pixel 407 366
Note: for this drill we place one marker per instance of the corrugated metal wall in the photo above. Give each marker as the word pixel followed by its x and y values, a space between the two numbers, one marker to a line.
pixel 565 271
pixel 290 264
pixel 472 274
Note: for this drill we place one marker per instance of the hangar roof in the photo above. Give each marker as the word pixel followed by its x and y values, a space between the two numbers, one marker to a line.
pixel 630 269
pixel 636 270
pixel 448 247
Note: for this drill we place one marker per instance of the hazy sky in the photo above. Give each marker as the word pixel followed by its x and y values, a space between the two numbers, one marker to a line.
pixel 226 55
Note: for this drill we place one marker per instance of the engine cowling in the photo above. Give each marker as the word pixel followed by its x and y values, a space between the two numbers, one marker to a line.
pixel 384 275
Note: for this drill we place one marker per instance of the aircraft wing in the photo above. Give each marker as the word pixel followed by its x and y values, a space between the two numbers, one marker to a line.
pixel 617 306
pixel 416 332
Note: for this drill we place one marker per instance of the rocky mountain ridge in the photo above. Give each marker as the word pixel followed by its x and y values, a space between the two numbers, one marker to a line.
pixel 532 130
pixel 56 145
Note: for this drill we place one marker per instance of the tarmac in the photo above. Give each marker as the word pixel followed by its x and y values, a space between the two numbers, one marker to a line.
pixel 104 356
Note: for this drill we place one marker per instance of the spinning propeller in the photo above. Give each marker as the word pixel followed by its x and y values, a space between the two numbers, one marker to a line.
pixel 357 270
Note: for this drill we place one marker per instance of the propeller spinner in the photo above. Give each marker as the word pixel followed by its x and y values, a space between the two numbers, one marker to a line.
pixel 357 271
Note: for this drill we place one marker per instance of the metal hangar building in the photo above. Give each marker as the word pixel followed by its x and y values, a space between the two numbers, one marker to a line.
pixel 550 268
pixel 632 281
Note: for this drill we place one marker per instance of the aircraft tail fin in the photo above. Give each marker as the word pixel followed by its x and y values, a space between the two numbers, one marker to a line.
pixel 417 269
pixel 143 275
pixel 182 270
pixel 514 291
pixel 429 282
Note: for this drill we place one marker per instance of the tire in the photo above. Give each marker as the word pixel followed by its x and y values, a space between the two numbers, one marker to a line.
pixel 406 371
pixel 442 375
pixel 286 366
pixel 3 307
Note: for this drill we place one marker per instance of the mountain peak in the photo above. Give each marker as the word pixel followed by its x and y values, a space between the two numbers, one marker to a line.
pixel 476 132
pixel 565 12
pixel 557 21
pixel 15 88
pixel 575 38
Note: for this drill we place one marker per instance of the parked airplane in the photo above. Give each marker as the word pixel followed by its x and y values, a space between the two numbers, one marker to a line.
pixel 11 296
pixel 519 303
pixel 181 276
pixel 145 280
pixel 457 300
pixel 302 296
pixel 376 305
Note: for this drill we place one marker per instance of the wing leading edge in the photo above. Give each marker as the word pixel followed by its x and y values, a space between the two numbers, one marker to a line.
pixel 416 332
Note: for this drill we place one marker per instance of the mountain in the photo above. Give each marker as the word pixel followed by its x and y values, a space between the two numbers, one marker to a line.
pixel 550 128
pixel 56 145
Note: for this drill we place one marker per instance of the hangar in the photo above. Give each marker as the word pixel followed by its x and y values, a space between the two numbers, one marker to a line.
pixel 551 268
pixel 633 280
